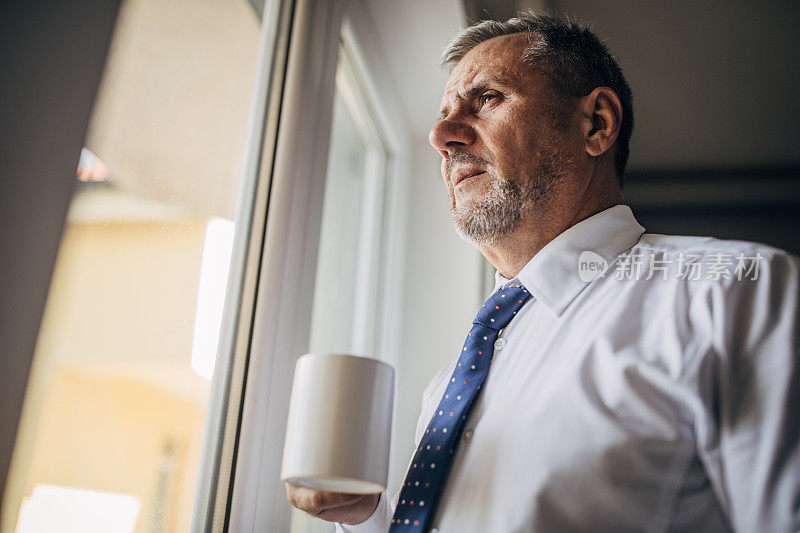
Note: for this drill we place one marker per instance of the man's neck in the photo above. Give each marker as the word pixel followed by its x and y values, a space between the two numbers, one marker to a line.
pixel 510 253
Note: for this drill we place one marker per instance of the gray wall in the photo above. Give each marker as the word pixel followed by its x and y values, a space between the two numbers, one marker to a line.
pixel 714 150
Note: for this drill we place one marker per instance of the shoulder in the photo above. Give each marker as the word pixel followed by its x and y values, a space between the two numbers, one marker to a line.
pixel 707 261
pixel 743 296
pixel 674 245
pixel 726 269
pixel 705 294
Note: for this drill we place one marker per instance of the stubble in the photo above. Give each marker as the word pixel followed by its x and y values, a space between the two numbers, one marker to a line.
pixel 500 209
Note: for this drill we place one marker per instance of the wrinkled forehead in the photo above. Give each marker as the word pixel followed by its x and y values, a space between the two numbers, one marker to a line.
pixel 499 59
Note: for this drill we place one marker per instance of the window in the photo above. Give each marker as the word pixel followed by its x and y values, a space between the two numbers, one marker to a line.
pixel 343 318
pixel 203 215
pixel 345 306
pixel 116 404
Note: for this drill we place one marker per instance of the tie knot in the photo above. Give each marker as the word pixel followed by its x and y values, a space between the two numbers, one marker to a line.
pixel 501 307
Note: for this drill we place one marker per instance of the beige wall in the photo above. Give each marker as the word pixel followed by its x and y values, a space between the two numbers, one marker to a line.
pixel 112 382
pixel 123 298
pixel 112 434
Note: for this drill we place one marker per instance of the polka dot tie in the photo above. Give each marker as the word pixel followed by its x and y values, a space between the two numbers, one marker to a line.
pixel 427 475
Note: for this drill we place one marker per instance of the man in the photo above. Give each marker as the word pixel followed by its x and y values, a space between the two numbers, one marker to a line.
pixel 639 382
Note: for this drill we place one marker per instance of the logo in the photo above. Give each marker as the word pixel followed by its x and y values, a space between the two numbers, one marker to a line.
pixel 591 266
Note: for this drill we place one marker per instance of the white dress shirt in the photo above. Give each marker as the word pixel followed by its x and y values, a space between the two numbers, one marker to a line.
pixel 662 395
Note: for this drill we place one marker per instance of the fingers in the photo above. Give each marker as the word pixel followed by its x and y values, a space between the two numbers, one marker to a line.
pixel 315 501
pixel 332 506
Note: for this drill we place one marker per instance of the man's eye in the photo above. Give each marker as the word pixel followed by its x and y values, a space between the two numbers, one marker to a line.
pixel 486 98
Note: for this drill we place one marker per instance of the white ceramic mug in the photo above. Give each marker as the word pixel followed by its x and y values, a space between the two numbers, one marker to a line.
pixel 340 421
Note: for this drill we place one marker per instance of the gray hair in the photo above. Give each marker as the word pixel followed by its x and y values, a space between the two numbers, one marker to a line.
pixel 574 59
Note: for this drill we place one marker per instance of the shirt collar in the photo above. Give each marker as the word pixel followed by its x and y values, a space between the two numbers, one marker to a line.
pixel 552 275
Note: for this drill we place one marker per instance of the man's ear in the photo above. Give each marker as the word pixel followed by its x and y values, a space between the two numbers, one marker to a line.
pixel 601 117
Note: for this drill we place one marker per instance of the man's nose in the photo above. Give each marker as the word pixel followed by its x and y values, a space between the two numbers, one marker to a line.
pixel 448 135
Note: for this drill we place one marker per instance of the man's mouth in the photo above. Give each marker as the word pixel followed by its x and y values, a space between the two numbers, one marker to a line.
pixel 464 175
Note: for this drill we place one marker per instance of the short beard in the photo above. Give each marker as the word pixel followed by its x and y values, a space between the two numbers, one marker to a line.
pixel 503 206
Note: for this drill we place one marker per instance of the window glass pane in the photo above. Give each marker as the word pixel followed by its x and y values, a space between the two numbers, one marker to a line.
pixel 351 234
pixel 335 288
pixel 113 419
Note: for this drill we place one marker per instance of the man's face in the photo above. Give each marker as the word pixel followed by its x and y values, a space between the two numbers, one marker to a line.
pixel 502 137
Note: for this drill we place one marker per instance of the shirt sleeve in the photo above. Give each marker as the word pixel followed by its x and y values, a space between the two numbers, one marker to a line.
pixel 747 387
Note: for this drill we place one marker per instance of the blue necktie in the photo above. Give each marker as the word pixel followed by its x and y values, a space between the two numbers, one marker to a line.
pixel 427 475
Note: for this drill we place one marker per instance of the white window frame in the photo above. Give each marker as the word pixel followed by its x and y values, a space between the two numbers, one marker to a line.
pixel 361 41
pixel 350 85
pixel 210 510
pixel 280 328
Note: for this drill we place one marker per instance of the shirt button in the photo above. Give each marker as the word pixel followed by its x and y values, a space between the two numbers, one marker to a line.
pixel 500 343
pixel 468 434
